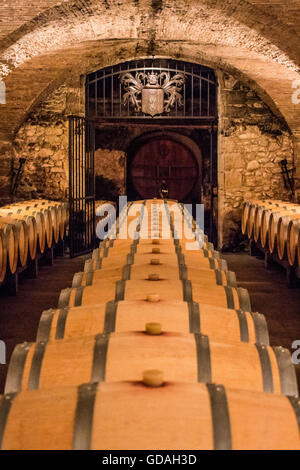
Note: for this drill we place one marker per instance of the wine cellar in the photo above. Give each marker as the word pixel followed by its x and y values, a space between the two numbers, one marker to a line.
pixel 149 225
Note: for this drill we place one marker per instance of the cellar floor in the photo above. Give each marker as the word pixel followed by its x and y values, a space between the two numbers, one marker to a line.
pixel 19 316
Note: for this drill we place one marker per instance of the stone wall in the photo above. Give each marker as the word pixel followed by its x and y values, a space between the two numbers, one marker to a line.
pixel 44 141
pixel 45 147
pixel 252 143
pixel 110 173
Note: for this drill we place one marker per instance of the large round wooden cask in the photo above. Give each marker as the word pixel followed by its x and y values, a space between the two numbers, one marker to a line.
pixel 181 317
pixel 11 237
pixel 176 165
pixel 3 255
pixel 175 416
pixel 119 357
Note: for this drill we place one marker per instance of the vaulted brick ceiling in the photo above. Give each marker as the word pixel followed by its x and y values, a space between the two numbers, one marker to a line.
pixel 41 40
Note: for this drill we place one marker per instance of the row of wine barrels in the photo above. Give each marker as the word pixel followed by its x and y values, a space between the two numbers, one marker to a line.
pixel 275 225
pixel 31 228
pixel 58 213
pixel 116 365
pixel 51 218
pixel 26 227
pixel 43 221
pixel 249 212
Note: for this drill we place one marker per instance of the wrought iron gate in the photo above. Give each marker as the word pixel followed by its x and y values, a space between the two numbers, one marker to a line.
pixel 130 91
pixel 81 185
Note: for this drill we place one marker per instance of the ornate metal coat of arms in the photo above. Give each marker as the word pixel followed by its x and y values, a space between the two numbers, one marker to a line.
pixel 152 93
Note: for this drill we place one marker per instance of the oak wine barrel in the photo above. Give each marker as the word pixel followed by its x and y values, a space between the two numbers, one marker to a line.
pixel 31 226
pixel 181 317
pixel 11 237
pixel 205 276
pixel 282 233
pixel 293 242
pixel 99 262
pixel 105 290
pixel 145 418
pixel 22 236
pixel 119 357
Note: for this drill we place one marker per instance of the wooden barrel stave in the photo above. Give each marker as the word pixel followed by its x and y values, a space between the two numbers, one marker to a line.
pixel 293 242
pixel 3 255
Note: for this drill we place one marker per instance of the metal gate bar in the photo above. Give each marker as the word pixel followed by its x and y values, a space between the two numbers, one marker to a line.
pixel 104 92
pixel 81 185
